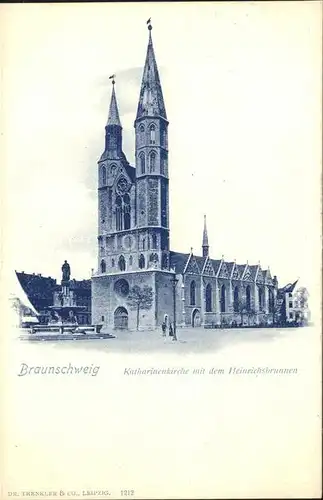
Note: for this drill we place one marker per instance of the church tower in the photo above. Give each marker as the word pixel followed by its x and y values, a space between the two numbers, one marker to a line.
pixel 139 282
pixel 116 195
pixel 133 227
pixel 152 193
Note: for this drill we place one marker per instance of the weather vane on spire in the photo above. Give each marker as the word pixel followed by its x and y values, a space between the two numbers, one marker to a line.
pixel 112 77
pixel 149 24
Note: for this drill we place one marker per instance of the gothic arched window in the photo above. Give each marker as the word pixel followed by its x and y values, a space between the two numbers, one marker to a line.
pixel 127 212
pixel 271 300
pixel 260 298
pixel 152 132
pixel 104 175
pixel 142 163
pixel 141 262
pixel 130 260
pixel 164 261
pixel 122 263
pixel 248 298
pixel 208 298
pixel 118 213
pixel 152 162
pixel 144 243
pixel 164 137
pixel 112 262
pixel 103 266
pixel 153 258
pixel 154 241
pixel 223 297
pixel 192 293
pixel 121 287
pixel 236 299
pixel 142 134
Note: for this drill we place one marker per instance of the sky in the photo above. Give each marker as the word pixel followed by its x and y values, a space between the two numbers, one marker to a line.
pixel 242 89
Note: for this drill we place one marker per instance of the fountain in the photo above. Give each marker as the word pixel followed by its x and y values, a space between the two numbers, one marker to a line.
pixel 63 323
pixel 63 312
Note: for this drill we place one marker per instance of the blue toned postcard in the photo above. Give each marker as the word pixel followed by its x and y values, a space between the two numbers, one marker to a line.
pixel 161 250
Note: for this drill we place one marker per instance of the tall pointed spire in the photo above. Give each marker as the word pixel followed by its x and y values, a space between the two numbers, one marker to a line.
pixel 151 101
pixel 113 118
pixel 205 243
pixel 113 129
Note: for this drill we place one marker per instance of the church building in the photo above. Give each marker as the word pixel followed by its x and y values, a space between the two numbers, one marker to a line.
pixel 138 277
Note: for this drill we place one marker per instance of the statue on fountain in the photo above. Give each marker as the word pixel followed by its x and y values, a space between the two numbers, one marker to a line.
pixel 64 311
pixel 66 270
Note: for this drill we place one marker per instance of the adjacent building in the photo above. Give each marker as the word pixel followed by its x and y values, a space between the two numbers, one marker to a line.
pixel 44 292
pixel 292 306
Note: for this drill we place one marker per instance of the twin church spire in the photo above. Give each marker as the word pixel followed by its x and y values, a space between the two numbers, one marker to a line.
pixel 113 129
pixel 151 104
pixel 151 100
pixel 113 118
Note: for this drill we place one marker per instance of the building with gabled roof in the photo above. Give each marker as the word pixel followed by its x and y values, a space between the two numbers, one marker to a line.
pixel 43 292
pixel 288 309
pixel 133 236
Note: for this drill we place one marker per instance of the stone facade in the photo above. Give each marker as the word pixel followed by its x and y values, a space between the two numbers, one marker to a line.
pixel 218 293
pixel 133 237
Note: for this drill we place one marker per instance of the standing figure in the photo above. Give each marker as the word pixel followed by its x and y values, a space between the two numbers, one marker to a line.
pixel 171 332
pixel 72 317
pixel 66 270
pixel 164 328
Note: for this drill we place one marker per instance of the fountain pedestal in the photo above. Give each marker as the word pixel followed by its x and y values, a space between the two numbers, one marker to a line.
pixel 64 309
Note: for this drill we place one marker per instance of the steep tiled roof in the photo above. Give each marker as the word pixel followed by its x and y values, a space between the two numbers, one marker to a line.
pixel 39 289
pixel 267 276
pixel 131 171
pixel 216 264
pixel 288 288
pixel 178 260
pixel 261 276
pixel 230 267
pixel 200 261
pixel 241 268
pixel 253 270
